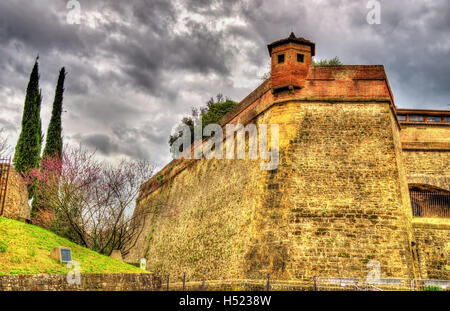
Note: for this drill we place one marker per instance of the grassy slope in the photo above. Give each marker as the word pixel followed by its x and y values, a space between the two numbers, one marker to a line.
pixel 25 249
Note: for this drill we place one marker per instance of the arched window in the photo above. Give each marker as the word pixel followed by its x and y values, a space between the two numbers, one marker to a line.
pixel 429 201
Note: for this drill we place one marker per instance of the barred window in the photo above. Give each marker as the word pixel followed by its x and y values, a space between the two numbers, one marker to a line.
pixel 429 203
pixel 433 119
pixel 416 118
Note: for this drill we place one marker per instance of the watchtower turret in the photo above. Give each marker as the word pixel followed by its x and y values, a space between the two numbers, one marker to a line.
pixel 291 58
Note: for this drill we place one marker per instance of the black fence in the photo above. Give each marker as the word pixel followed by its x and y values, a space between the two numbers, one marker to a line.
pixel 430 204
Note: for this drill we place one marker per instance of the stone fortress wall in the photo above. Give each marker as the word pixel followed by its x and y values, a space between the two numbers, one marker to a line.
pixel 16 201
pixel 426 153
pixel 338 199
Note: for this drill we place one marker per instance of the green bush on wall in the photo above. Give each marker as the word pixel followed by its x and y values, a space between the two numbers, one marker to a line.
pixel 432 288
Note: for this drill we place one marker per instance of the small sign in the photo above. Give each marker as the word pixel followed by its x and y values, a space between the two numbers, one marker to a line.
pixel 143 264
pixel 66 255
pixel 62 254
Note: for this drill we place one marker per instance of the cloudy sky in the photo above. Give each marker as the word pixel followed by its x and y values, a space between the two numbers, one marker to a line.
pixel 136 67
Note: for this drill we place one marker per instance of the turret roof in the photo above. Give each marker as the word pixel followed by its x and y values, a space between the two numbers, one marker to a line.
pixel 293 38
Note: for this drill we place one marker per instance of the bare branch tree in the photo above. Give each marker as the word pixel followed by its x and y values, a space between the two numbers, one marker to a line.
pixel 4 146
pixel 90 202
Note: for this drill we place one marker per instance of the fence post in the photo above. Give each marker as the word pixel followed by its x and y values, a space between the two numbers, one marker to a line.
pixel 413 285
pixel 314 283
pixel 268 282
pixel 203 281
pixel 184 281
pixel 168 280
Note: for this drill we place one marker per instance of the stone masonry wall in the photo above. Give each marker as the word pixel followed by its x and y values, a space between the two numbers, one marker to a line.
pixel 207 231
pixel 426 154
pixel 433 247
pixel 16 203
pixel 335 202
pixel 199 216
pixel 426 150
pixel 89 282
pixel 429 167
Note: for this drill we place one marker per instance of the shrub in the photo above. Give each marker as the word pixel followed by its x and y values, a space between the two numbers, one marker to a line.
pixel 432 288
pixel 331 62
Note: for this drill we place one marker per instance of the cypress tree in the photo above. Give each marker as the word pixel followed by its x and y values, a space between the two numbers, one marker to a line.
pixel 28 147
pixel 53 144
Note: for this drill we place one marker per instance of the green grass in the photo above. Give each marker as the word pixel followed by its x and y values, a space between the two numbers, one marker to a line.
pixel 25 249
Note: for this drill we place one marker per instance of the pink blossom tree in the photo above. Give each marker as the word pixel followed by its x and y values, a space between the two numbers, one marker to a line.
pixel 88 201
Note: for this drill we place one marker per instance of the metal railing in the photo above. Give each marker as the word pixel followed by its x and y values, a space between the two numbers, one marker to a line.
pixel 382 284
pixel 203 283
pixel 430 204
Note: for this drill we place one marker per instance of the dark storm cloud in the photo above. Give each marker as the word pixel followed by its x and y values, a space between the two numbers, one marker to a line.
pixel 215 8
pixel 101 142
pixel 135 67
pixel 38 24
pixel 124 141
pixel 6 124
pixel 145 57
pixel 158 15
pixel 415 49
pixel 412 41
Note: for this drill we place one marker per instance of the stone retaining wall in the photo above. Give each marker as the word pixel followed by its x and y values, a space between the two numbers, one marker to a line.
pixel 16 203
pixel 89 282
pixel 432 237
